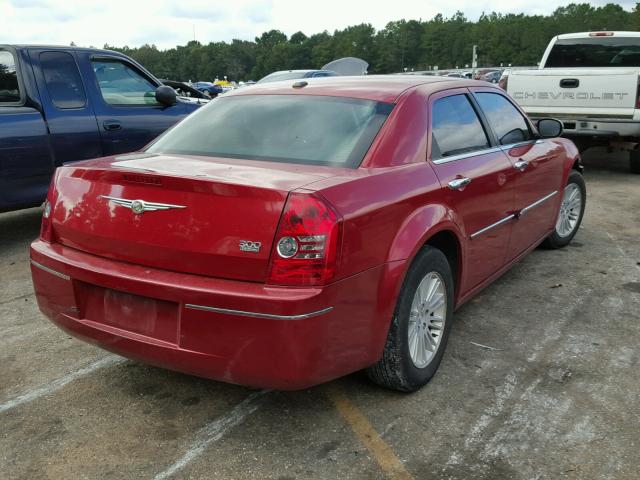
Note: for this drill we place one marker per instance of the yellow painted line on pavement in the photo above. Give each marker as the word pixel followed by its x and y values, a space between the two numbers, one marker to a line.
pixel 368 436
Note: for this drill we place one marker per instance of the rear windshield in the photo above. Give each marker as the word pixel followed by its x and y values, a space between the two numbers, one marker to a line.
pixel 595 52
pixel 283 128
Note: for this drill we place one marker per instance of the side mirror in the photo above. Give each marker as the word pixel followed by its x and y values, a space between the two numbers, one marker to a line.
pixel 166 95
pixel 549 127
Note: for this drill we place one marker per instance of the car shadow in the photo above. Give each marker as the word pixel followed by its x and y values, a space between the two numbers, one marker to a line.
pixel 598 158
pixel 18 229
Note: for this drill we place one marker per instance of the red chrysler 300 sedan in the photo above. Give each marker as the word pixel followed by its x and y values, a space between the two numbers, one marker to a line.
pixel 287 234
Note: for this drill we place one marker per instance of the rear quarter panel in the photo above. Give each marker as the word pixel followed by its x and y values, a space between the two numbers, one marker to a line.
pixel 390 211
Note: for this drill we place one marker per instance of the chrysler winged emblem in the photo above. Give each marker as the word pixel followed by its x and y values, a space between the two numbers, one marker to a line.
pixel 140 206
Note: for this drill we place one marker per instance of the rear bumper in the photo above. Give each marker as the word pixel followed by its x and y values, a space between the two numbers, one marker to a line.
pixel 237 332
pixel 595 127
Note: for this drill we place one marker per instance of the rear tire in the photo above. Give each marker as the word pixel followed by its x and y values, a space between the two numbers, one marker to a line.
pixel 570 211
pixel 404 365
pixel 634 161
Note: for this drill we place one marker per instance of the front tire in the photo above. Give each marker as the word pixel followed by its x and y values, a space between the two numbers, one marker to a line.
pixel 420 326
pixel 571 212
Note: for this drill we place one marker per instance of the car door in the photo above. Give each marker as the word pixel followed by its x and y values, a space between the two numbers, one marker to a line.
pixel 477 180
pixel 127 112
pixel 73 130
pixel 25 158
pixel 538 165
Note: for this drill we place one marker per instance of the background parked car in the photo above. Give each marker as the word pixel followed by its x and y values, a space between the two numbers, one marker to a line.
pixel 63 104
pixel 296 74
pixel 187 92
pixel 211 89
pixel 492 77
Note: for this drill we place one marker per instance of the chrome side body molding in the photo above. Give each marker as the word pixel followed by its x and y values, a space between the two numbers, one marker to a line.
pixel 537 203
pixel 492 226
pixel 514 216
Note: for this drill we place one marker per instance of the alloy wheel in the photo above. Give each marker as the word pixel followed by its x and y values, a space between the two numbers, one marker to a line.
pixel 569 210
pixel 426 319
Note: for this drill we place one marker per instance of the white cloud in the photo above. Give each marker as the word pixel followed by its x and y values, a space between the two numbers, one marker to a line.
pixel 167 23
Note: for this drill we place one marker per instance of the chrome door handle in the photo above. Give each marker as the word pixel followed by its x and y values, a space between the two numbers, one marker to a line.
pixel 521 165
pixel 459 183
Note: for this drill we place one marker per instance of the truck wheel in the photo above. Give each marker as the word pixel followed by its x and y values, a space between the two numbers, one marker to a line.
pixel 634 161
pixel 420 327
pixel 571 212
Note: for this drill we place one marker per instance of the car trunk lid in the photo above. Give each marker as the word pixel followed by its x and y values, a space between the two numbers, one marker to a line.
pixel 208 216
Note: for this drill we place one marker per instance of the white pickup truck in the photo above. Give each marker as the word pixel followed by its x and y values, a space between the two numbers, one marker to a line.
pixel 588 81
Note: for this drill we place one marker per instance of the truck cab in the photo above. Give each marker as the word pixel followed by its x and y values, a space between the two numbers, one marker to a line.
pixel 65 104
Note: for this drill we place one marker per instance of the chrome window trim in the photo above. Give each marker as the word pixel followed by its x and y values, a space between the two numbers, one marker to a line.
pixel 50 270
pixel 464 155
pixel 269 316
pixel 492 226
pixel 537 203
pixel 485 151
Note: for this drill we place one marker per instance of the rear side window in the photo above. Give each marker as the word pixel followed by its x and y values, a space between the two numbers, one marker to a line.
pixel 595 52
pixel 507 122
pixel 456 127
pixel 63 80
pixel 307 129
pixel 9 89
pixel 120 84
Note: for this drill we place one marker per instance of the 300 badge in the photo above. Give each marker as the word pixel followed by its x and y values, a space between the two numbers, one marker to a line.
pixel 249 246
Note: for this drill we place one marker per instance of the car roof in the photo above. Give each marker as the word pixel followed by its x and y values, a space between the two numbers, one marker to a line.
pixel 63 47
pixel 381 88
pixel 290 71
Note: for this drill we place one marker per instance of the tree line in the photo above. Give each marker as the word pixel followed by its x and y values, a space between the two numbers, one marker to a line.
pixel 507 39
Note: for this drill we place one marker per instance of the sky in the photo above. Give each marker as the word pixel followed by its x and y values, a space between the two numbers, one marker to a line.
pixel 169 23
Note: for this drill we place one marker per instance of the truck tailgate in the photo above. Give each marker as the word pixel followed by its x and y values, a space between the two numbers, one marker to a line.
pixel 584 93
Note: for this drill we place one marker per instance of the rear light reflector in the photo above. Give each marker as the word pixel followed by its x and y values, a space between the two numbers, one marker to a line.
pixel 306 246
pixel 46 229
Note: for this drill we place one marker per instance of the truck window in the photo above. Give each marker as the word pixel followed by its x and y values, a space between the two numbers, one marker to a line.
pixel 508 125
pixel 122 85
pixel 9 90
pixel 456 127
pixel 595 52
pixel 63 80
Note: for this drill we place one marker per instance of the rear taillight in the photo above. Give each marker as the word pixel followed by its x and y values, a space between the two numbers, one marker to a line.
pixel 601 34
pixel 305 249
pixel 46 230
pixel 638 95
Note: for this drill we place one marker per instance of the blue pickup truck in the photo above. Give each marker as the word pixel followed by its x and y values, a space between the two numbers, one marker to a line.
pixel 64 104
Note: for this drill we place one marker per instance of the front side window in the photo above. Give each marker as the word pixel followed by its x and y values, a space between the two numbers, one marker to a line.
pixel 63 80
pixel 456 127
pixel 120 84
pixel 307 129
pixel 9 89
pixel 508 124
